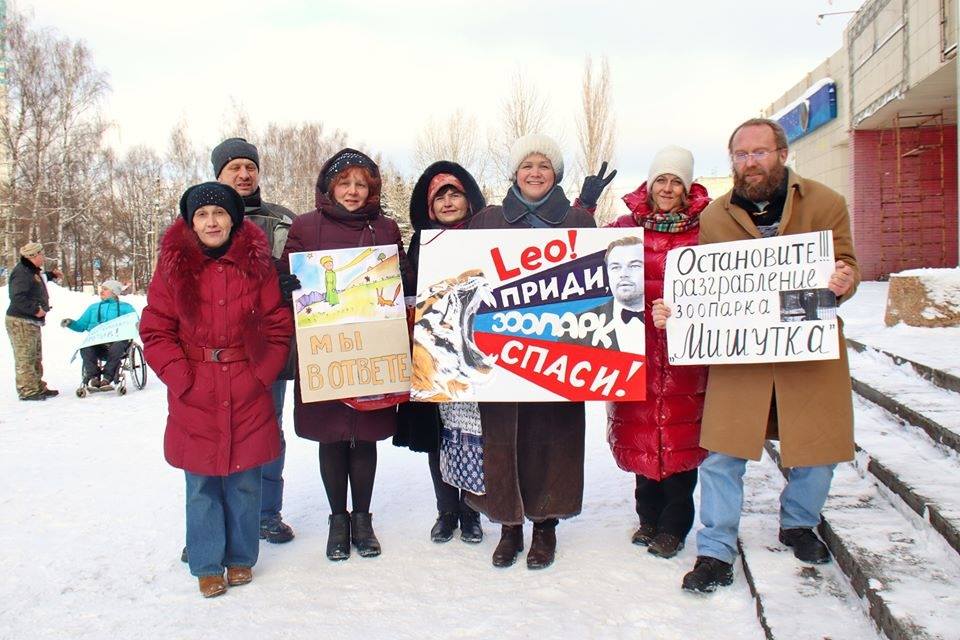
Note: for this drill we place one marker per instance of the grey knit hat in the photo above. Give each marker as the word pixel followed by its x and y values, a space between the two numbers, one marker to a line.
pixel 536 143
pixel 230 149
pixel 675 160
pixel 113 285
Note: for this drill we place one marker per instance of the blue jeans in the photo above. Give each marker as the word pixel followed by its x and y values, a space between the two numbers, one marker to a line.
pixel 222 521
pixel 271 498
pixel 721 500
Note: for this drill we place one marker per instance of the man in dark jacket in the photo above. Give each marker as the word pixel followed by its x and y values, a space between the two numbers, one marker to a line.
pixel 236 163
pixel 29 303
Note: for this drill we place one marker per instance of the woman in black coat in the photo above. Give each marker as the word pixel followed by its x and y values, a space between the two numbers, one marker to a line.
pixel 445 197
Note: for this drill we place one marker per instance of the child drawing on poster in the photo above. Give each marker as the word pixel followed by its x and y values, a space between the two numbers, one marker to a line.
pixel 347 285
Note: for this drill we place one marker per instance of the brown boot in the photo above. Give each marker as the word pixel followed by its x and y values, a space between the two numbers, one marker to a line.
pixel 510 545
pixel 237 576
pixel 543 548
pixel 212 586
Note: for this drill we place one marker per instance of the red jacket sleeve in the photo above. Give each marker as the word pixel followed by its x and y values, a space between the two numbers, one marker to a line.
pixel 159 325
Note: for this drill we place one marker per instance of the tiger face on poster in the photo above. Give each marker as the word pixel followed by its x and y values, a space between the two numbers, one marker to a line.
pixel 530 315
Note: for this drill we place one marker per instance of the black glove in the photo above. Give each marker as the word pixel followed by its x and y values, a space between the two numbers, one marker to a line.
pixel 65 322
pixel 593 186
pixel 288 284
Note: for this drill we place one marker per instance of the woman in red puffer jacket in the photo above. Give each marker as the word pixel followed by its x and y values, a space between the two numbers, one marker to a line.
pixel 658 439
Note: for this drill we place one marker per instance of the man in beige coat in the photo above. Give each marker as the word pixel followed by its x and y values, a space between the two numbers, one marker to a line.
pixel 806 404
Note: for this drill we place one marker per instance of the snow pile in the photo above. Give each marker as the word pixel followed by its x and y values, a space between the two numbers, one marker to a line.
pixel 943 289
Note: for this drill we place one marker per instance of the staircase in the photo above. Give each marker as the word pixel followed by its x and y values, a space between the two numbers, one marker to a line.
pixel 892 520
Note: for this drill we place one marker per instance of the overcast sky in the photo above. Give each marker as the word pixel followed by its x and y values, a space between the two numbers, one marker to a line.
pixel 684 72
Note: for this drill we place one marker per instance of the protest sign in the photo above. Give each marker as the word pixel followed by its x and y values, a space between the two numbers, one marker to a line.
pixel 763 300
pixel 120 328
pixel 351 323
pixel 529 315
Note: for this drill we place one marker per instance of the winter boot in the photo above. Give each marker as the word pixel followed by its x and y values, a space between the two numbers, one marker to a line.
pixel 543 548
pixel 470 530
pixel 361 532
pixel 665 545
pixel 806 545
pixel 33 397
pixel 275 531
pixel 50 392
pixel 644 534
pixel 510 545
pixel 237 576
pixel 338 540
pixel 444 527
pixel 212 586
pixel 708 574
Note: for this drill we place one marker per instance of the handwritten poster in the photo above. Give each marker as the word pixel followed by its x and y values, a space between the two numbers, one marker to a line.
pixel 351 323
pixel 763 300
pixel 530 315
pixel 120 328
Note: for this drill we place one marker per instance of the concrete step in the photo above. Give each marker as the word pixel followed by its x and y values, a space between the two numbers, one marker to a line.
pixel 907 573
pixel 940 378
pixel 898 390
pixel 787 591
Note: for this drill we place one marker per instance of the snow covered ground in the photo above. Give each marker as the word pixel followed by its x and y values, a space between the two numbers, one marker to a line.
pixel 93 528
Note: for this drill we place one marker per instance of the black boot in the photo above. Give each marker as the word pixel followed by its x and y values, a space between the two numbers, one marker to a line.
pixel 806 545
pixel 338 540
pixel 708 574
pixel 543 548
pixel 444 527
pixel 364 539
pixel 470 530
pixel 510 545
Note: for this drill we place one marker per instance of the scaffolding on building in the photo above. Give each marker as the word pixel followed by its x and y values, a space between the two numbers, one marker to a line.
pixel 913 224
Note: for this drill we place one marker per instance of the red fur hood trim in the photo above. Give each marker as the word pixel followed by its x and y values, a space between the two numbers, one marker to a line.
pixel 182 259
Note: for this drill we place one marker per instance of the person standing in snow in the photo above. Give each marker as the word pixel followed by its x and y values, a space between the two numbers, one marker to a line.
pixel 347 215
pixel 97 313
pixel 533 451
pixel 217 333
pixel 236 163
pixel 808 405
pixel 445 197
pixel 658 439
pixel 29 303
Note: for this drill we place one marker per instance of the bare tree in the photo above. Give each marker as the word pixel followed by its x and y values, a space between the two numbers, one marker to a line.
pixel 456 139
pixel 596 130
pixel 395 198
pixel 524 111
pixel 290 159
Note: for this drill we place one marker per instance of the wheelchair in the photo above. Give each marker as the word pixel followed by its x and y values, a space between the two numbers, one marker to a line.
pixel 132 363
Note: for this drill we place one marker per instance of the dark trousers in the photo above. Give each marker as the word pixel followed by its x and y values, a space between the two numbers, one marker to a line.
pixel 450 499
pixel 111 352
pixel 667 504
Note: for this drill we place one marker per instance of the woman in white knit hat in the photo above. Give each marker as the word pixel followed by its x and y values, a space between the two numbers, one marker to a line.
pixel 658 439
pixel 533 451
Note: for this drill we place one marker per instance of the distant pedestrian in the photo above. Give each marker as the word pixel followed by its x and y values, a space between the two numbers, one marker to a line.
pixel 29 304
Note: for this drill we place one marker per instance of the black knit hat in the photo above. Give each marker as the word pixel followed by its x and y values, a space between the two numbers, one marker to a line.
pixel 200 195
pixel 344 159
pixel 230 149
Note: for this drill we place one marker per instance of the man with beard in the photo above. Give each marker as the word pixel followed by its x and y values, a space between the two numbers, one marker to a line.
pixel 807 405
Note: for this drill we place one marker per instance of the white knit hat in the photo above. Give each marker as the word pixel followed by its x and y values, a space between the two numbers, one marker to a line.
pixel 675 160
pixel 113 285
pixel 536 143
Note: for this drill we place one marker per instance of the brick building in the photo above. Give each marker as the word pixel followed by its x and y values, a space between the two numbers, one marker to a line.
pixel 877 121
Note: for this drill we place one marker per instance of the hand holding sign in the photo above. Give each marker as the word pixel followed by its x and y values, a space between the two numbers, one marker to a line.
pixel 842 279
pixel 660 313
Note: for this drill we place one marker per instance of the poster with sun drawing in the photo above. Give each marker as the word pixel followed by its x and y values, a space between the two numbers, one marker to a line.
pixel 351 323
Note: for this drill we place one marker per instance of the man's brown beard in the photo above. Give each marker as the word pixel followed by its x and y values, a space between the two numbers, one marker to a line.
pixel 762 191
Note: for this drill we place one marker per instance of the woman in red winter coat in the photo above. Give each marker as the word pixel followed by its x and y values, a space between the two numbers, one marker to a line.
pixel 658 439
pixel 348 215
pixel 217 333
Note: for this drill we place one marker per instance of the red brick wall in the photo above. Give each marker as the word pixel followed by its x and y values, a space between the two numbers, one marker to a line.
pixel 910 225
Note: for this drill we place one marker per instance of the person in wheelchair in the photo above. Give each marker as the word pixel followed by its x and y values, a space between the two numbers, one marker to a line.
pixel 112 353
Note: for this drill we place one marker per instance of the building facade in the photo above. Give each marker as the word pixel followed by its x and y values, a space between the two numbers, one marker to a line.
pixel 877 121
